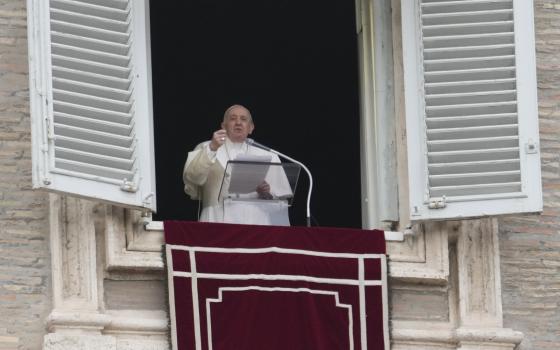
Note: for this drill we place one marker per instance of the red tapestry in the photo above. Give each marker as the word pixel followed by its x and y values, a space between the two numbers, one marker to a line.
pixel 276 288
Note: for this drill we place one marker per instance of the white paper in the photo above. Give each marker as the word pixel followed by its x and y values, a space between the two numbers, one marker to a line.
pixel 246 177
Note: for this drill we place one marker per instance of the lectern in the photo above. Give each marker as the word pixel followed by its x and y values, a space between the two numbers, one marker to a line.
pixel 241 202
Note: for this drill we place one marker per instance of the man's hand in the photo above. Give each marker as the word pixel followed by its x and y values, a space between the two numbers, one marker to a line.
pixel 264 190
pixel 218 139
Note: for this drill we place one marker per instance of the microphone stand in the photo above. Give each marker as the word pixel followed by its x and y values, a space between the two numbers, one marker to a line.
pixel 258 145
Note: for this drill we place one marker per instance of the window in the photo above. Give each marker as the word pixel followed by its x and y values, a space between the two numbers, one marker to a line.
pixel 469 86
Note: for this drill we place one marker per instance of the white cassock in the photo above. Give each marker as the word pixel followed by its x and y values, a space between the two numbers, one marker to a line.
pixel 203 174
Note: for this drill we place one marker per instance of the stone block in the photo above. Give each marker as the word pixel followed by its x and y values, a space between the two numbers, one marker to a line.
pixel 56 341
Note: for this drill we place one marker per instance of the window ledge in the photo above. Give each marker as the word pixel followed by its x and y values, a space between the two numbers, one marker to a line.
pixel 393 236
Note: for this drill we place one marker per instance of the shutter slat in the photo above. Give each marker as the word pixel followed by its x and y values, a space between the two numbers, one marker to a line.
pixel 88 20
pixel 471 51
pixel 92 101
pixel 470 74
pixel 471 190
pixel 471 121
pixel 473 167
pixel 94 136
pixel 472 132
pixel 93 124
pixel 90 32
pixel 474 143
pixel 90 55
pixel 90 43
pixel 470 98
pixel 94 113
pixel 468 28
pixel 91 67
pixel 469 63
pixel 475 178
pixel 94 147
pixel 467 17
pixel 91 89
pixel 93 9
pixel 470 86
pixel 474 155
pixel 469 109
pixel 465 6
pixel 451 41
pixel 113 4
pixel 91 78
pixel 92 169
pixel 93 159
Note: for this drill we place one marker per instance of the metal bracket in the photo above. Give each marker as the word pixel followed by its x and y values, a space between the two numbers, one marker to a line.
pixel 531 147
pixel 129 186
pixel 50 130
pixel 437 203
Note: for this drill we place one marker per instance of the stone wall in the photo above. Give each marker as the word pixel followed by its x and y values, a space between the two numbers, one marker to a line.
pixel 24 246
pixel 530 245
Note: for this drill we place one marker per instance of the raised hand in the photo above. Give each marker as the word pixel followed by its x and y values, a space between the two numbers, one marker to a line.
pixel 218 139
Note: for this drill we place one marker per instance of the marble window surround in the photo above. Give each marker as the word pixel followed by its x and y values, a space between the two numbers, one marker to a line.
pixel 90 241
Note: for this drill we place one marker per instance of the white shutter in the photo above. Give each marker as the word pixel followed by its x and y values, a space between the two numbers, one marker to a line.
pixel 90 93
pixel 471 108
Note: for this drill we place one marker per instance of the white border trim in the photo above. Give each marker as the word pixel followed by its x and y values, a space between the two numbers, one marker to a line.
pixel 362 297
pixel 196 311
pixel 265 277
pixel 171 291
pixel 389 235
pixel 278 289
pixel 385 302
pixel 276 250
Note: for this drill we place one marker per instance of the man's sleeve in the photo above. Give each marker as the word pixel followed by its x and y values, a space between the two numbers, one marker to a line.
pixel 197 166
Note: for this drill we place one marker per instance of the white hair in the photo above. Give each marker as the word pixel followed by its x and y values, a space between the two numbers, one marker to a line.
pixel 226 113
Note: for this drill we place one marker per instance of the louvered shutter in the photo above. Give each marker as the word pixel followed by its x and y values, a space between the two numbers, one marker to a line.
pixel 90 97
pixel 471 108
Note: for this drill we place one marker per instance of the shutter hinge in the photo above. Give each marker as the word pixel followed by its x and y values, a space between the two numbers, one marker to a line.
pixel 50 129
pixel 129 186
pixel 437 203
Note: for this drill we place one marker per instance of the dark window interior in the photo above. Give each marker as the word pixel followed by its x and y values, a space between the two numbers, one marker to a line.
pixel 293 63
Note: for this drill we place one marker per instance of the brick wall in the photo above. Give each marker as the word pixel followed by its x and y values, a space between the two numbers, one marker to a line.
pixel 530 245
pixel 24 247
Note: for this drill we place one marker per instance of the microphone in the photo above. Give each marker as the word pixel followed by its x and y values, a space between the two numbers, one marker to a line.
pixel 252 142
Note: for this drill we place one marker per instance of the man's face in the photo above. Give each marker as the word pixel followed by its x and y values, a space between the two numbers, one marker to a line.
pixel 238 124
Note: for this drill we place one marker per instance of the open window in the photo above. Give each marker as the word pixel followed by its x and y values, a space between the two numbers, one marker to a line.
pixel 469 72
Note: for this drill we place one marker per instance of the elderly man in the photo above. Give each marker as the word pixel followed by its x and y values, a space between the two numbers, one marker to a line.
pixel 204 171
